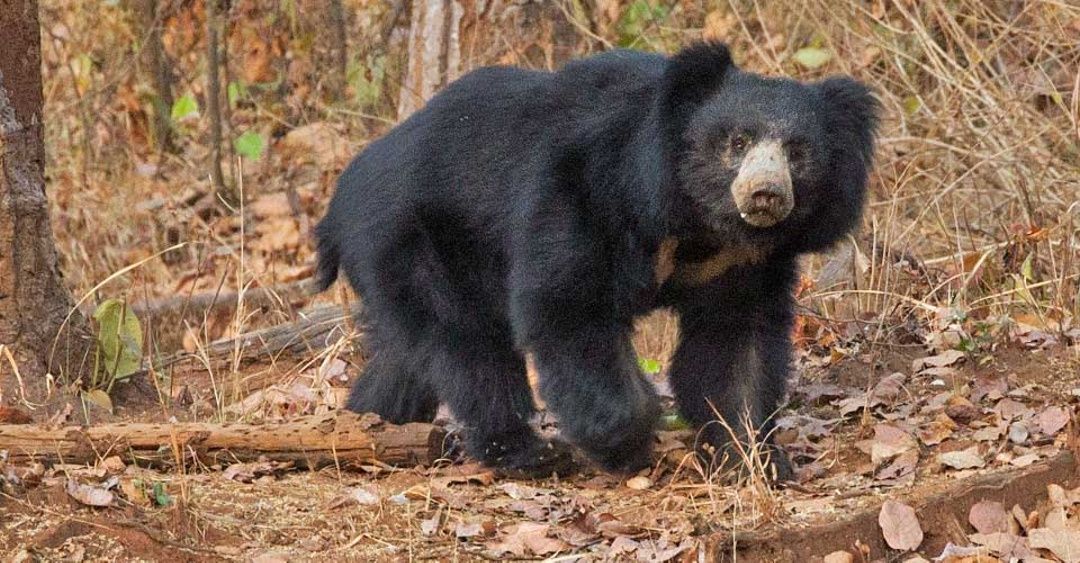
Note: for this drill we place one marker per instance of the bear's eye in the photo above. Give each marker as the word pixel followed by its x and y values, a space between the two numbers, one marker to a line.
pixel 739 142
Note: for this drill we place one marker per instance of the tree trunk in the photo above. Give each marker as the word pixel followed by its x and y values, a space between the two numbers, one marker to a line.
pixel 158 70
pixel 33 300
pixel 340 49
pixel 434 51
pixel 213 104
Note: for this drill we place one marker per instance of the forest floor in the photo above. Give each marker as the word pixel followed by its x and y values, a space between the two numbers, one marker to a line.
pixel 981 448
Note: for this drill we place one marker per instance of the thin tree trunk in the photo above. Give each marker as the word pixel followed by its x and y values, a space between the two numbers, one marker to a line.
pixel 33 300
pixel 434 51
pixel 340 49
pixel 226 30
pixel 157 64
pixel 213 103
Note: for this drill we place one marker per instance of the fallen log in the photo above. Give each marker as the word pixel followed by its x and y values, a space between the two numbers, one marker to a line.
pixel 340 438
pixel 942 513
pixel 312 331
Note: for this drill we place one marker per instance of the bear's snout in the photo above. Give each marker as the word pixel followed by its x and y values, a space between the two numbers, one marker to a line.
pixel 762 190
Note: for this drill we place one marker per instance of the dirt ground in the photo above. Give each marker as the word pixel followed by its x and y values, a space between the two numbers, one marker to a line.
pixel 850 458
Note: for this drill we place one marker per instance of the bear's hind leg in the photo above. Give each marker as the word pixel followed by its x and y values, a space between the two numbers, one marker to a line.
pixel 483 381
pixel 392 388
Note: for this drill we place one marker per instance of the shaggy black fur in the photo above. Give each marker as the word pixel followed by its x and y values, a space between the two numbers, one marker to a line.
pixel 523 210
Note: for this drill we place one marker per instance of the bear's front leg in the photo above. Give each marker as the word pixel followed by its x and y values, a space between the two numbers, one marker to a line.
pixel 590 379
pixel 730 369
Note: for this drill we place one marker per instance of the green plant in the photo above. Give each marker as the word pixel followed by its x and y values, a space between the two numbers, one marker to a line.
pixel 119 349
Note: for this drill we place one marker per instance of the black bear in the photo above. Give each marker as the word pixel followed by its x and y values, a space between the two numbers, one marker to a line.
pixel 537 212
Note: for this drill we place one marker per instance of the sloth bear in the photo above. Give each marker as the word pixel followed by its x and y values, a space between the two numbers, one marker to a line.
pixel 524 211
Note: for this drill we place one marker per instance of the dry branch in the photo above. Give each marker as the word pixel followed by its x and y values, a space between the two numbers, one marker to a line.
pixel 943 516
pixel 201 303
pixel 342 438
pixel 313 330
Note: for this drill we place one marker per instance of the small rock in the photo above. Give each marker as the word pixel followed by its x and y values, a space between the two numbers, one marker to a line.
pixel 1018 433
pixel 961 410
pixel 639 483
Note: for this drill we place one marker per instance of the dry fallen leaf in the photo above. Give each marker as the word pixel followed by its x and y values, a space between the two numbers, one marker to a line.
pixel 963 459
pixel 1056 519
pixel 889 441
pixel 430 526
pixel 475 528
pixel 1057 496
pixel 944 359
pixel 89 495
pixel 937 430
pixel 1003 544
pixel 361 496
pixel 1052 420
pixel 839 557
pixel 113 465
pixel 527 538
pixel 1009 409
pixel 1064 544
pixel 1025 460
pixel 249 472
pixel 988 434
pixel 889 388
pixel 988 516
pixel 610 526
pixel 900 526
pixel 902 469
pixel 134 492
pixel 988 387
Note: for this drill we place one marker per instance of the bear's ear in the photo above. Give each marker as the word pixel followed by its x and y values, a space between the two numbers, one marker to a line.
pixel 692 75
pixel 852 112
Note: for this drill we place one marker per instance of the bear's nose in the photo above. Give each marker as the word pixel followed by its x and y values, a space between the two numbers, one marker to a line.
pixel 768 198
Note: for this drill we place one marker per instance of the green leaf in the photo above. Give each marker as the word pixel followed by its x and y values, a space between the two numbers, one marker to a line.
pixel 812 57
pixel 235 91
pixel 99 398
pixel 649 365
pixel 120 338
pixel 250 144
pixel 1028 268
pixel 911 105
pixel 673 422
pixel 185 107
pixel 161 497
